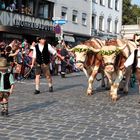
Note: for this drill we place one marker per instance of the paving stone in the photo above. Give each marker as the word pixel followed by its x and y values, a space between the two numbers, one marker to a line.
pixel 69 114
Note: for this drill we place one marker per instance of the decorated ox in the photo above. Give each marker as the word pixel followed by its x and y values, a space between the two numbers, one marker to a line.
pixel 114 54
pixel 88 61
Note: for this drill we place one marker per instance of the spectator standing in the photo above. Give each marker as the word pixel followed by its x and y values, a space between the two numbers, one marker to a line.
pixel 64 62
pixel 2 5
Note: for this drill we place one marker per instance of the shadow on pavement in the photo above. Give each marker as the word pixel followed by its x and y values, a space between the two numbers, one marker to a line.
pixel 32 107
pixel 69 87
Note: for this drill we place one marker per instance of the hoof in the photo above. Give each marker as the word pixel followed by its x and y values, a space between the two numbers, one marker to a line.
pixel 120 89
pixel 115 98
pixel 107 88
pixel 125 92
pixel 89 92
pixel 110 95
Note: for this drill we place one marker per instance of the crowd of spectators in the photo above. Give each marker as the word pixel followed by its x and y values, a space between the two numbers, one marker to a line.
pixel 12 7
pixel 19 56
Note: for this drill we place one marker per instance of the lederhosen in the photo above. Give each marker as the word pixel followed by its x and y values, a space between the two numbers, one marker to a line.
pixel 7 86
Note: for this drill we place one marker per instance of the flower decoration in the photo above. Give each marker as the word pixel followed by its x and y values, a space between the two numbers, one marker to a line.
pixel 80 50
pixel 109 52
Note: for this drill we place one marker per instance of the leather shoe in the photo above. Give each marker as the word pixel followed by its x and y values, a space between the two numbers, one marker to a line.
pixel 2 113
pixel 51 89
pixel 36 92
pixel 6 113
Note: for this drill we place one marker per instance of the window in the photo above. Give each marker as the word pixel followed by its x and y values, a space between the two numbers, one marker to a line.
pixel 74 16
pixel 116 4
pixel 43 10
pixel 116 26
pixel 109 3
pixel 109 25
pixel 84 18
pixel 95 1
pixel 101 2
pixel 64 13
pixel 101 22
pixel 93 21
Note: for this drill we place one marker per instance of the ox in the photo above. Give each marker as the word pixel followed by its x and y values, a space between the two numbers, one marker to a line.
pixel 114 55
pixel 88 61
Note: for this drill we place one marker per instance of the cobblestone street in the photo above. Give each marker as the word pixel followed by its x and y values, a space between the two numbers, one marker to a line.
pixel 69 114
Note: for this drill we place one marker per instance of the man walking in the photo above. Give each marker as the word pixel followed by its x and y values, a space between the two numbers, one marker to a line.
pixel 41 60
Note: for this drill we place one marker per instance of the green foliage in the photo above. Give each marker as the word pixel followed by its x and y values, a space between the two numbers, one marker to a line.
pixel 80 50
pixel 109 52
pixel 130 13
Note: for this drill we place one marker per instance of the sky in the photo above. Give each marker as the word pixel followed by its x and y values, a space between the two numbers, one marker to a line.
pixel 136 2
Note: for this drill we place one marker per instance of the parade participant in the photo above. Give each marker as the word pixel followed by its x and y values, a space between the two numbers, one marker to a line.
pixel 41 60
pixel 6 86
pixel 134 61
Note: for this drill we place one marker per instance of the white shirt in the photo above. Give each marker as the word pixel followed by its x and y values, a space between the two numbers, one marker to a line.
pixel 50 49
pixel 130 59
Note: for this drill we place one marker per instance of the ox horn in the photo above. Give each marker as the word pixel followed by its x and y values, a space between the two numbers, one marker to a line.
pixel 70 49
pixel 122 47
pixel 94 49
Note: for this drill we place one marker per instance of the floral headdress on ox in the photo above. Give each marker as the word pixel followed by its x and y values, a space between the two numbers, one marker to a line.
pixel 80 49
pixel 109 52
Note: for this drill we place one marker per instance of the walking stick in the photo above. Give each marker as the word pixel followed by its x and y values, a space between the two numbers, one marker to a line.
pixel 27 74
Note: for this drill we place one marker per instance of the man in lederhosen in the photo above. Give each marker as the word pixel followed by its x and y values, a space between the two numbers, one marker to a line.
pixel 41 60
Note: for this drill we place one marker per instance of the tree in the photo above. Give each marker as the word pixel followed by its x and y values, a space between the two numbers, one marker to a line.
pixel 130 13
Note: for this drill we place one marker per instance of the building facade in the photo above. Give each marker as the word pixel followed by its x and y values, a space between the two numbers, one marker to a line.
pixel 128 31
pixel 83 19
pixel 106 18
pixel 20 19
pixel 90 18
pixel 78 16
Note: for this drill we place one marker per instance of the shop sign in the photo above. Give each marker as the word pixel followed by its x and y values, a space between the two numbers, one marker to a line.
pixel 13 19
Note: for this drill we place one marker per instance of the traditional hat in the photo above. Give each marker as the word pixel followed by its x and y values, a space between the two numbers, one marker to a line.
pixel 3 64
pixel 40 37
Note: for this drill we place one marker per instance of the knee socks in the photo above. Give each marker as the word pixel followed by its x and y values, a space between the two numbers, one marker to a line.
pixel 4 106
